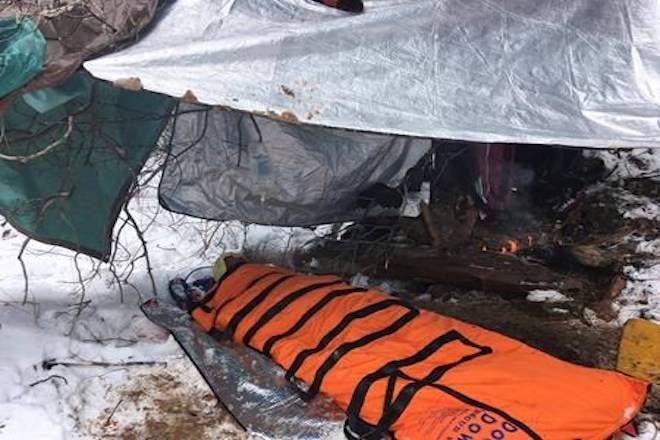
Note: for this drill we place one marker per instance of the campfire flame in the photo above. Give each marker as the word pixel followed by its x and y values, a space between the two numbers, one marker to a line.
pixel 510 247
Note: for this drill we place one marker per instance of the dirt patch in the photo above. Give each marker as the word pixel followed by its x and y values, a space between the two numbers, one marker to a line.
pixel 162 405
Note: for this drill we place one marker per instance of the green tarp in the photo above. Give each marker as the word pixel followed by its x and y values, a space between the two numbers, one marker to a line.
pixel 22 53
pixel 71 193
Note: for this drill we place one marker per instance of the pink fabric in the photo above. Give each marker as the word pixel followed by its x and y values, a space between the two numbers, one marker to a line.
pixel 496 171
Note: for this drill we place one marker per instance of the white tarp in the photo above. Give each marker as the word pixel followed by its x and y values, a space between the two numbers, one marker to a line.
pixel 572 72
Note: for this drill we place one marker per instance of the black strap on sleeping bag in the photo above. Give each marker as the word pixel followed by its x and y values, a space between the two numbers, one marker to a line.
pixel 281 305
pixel 228 301
pixel 241 314
pixel 353 422
pixel 309 314
pixel 409 391
pixel 203 304
pixel 356 428
pixel 347 347
pixel 392 367
pixel 343 324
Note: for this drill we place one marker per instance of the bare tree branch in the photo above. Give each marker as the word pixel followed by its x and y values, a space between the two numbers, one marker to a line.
pixel 145 249
pixel 25 273
pixel 46 150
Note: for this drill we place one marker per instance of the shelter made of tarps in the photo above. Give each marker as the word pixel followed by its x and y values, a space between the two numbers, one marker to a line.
pixel 569 72
pixel 69 155
pixel 228 165
pixel 74 32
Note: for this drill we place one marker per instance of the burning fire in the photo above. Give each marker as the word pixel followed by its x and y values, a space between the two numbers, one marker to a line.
pixel 510 247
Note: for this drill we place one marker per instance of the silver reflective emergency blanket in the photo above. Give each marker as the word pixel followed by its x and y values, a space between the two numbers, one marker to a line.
pixel 571 72
pixel 228 165
pixel 251 386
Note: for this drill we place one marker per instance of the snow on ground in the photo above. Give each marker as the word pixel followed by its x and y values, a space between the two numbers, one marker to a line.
pixel 641 296
pixel 115 400
pixel 549 296
pixel 630 163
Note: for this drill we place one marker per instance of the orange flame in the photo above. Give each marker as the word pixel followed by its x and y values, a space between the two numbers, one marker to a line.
pixel 511 247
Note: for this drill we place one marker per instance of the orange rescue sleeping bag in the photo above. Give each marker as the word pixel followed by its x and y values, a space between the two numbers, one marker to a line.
pixel 413 373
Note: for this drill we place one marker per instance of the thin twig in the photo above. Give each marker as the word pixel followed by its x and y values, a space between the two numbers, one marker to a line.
pixel 50 363
pixel 114 410
pixel 54 376
pixel 45 151
pixel 24 268
pixel 83 292
pixel 145 249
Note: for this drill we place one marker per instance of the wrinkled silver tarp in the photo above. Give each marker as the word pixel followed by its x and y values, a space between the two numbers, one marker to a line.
pixel 252 387
pixel 572 72
pixel 228 165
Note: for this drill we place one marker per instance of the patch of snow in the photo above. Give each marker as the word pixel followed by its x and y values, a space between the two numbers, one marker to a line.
pixel 641 296
pixel 549 296
pixel 592 318
pixel 384 285
pixel 27 421
pixel 631 163
pixel 646 208
pixel 360 280
pixel 424 297
pixel 649 247
pixel 631 205
pixel 649 430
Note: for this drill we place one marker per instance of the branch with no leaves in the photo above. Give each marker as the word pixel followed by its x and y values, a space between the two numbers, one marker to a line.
pixel 114 410
pixel 49 364
pixel 25 273
pixel 54 376
pixel 46 150
pixel 145 249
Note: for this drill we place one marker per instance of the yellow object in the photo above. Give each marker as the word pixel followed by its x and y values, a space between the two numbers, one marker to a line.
pixel 639 350
pixel 219 268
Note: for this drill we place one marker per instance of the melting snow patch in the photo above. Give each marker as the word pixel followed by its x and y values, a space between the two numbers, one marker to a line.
pixel 646 208
pixel 641 296
pixel 627 164
pixel 649 247
pixel 550 296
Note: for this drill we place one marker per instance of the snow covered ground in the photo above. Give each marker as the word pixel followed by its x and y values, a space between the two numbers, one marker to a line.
pixel 144 374
pixel 641 296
